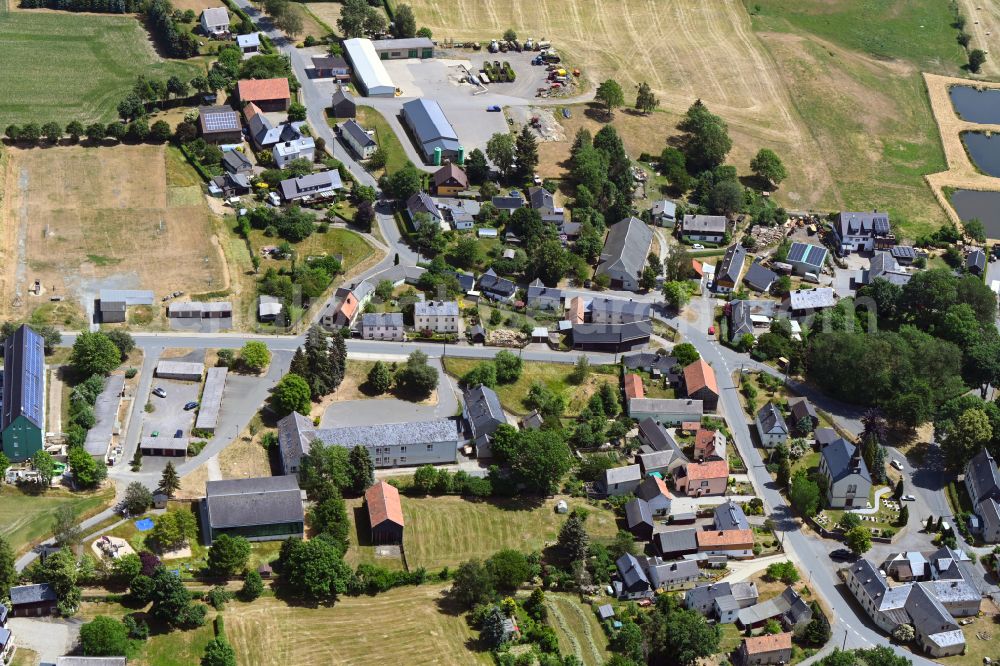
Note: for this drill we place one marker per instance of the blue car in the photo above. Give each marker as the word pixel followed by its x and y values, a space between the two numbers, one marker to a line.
pixel 189 406
pixel 494 108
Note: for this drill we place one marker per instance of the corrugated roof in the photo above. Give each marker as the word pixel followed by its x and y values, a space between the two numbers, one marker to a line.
pixel 105 416
pixel 368 68
pixel 383 504
pixel 211 398
pixel 405 43
pixel 430 126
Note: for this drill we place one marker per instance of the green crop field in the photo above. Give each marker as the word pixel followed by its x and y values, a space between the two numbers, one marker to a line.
pixel 62 66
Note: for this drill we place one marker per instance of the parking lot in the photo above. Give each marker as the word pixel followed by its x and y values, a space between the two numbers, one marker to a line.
pixel 168 415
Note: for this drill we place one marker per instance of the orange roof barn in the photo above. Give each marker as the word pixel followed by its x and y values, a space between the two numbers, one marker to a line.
pixel 383 504
pixel 256 90
pixel 633 386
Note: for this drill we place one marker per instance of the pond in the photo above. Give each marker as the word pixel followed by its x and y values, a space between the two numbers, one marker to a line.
pixel 976 106
pixel 984 149
pixel 983 206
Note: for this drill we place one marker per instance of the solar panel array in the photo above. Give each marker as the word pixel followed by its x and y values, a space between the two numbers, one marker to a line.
pixel 32 379
pixel 217 121
pixel 881 225
pixel 797 251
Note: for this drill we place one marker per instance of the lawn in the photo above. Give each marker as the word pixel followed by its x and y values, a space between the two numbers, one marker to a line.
pixel 68 66
pixel 175 648
pixel 553 375
pixel 448 530
pixel 27 519
pixel 334 241
pixel 976 648
pixel 407 625
pixel 387 140
pixel 576 625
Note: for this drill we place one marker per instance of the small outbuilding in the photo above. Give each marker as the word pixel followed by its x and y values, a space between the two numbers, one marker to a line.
pixel 181 370
pixel 343 104
pixel 385 513
pixel 220 124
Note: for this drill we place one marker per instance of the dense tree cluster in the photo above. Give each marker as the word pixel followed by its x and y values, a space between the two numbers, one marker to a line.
pixel 175 39
pixel 96 6
pixel 537 458
pixel 359 19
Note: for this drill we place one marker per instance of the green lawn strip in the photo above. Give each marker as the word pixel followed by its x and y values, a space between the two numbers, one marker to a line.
pixel 29 519
pixel 334 241
pixel 387 140
pixel 69 66
pixel 577 628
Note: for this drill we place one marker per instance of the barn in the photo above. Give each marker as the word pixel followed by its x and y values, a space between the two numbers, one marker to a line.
pixel 259 509
pixel 385 513
pixel 370 73
pixel 396 49
pixel 432 132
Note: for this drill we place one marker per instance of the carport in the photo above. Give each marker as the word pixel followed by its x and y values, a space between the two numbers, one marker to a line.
pixel 168 447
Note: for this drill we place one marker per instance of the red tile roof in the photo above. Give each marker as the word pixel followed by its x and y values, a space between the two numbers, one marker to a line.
pixel 250 110
pixel 700 375
pixel 663 487
pixel 383 504
pixel 696 266
pixel 727 538
pixel 633 386
pixel 768 643
pixel 349 306
pixel 713 469
pixel 576 310
pixel 704 440
pixel 690 426
pixel 253 90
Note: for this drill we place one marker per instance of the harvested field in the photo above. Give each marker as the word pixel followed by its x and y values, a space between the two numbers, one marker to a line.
pixel 78 219
pixel 576 625
pixel 424 629
pixel 198 6
pixel 65 66
pixel 27 519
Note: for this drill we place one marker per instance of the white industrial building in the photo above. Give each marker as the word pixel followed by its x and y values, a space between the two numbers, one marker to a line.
pixel 369 71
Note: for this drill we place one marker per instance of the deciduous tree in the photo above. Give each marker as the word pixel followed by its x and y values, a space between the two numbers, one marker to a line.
pixel 767 165
pixel 645 100
pixel 609 93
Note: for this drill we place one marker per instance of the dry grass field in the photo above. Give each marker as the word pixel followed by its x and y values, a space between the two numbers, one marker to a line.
pixel 77 219
pixel 402 626
pixel 833 86
pixel 577 627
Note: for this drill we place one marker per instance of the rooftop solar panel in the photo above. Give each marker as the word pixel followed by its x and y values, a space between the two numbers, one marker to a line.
pixel 882 225
pixel 215 122
pixel 797 251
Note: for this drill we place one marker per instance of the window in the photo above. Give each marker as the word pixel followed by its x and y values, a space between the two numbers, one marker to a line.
pixel 430 447
pixel 704 484
pixel 402 459
pixel 402 449
pixel 853 488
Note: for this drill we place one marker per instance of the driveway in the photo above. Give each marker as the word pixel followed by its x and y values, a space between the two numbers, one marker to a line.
pixel 50 637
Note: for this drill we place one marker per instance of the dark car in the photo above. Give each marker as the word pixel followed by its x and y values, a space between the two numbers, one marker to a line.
pixel 189 406
pixel 178 434
pixel 843 555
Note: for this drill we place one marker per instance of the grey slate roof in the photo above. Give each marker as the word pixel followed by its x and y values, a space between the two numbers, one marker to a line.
pixel 382 319
pixel 648 489
pixel 631 572
pixel 358 133
pixel 660 460
pixel 637 512
pixel 677 541
pixel 485 414
pixel 862 224
pixel 988 511
pixel 510 202
pixel 730 516
pixel 664 574
pixel 928 614
pixel 759 278
pixel 732 264
pixel 664 207
pixel 984 477
pixel 788 606
pixel 538 294
pixel 841 461
pixel 740 322
pixel 701 224
pixel 605 611
pixel 771 419
pixel 622 475
pixel 540 198
pixel 234 161
pixel 611 333
pixel 649 361
pixel 704 594
pixel 435 308
pixel 430 126
pixel 825 436
pixel 32 594
pixel 494 284
pixel 626 310
pixel 313 183
pixel 626 248
pixel 802 408
pixel 215 16
pixel 261 501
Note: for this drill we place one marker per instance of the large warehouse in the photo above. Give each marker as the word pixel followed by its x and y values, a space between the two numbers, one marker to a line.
pixel 432 132
pixel 369 71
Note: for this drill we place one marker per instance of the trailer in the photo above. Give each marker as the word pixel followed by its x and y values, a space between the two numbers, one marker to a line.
pixel 482 77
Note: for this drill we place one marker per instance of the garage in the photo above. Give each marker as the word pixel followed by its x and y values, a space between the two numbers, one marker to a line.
pixel 165 447
pixel 182 370
pixel 369 72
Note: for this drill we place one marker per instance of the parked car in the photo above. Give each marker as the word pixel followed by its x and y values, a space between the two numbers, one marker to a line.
pixel 898 465
pixel 178 434
pixel 711 330
pixel 159 392
pixel 190 405
pixel 155 433
pixel 908 498
pixel 493 108
pixel 274 199
pixel 843 555
pixel 698 246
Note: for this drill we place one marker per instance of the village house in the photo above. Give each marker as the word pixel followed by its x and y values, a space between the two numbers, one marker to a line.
pixel 671 576
pixel 709 228
pixel 215 22
pixel 789 608
pixel 639 519
pixel 862 232
pixel 540 297
pixel 342 103
pixel 33 600
pixel 709 445
pixel 675 544
pixel 882 266
pixel 619 481
pixel 730 516
pixel 355 136
pixel 632 581
pixel 624 254
pixel 663 213
pixel 299 149
pixel 771 426
pixel 330 67
pixel 653 491
pixel 803 302
pixel 383 326
pixel 483 414
pixel 263 133
pixel 727 275
pixel 700 384
pixel 666 411
pixel 736 544
pixel 702 479
pixel 496 288
pixel 982 482
pixel 249 44
pixel 436 316
pixel 617 311
pixel 764 649
pixel 509 202
pixel 850 482
pixel 759 278
pixel 803 412
pixel 236 163
pixel 449 180
pixel 313 186
pixel 733 596
pixel 544 202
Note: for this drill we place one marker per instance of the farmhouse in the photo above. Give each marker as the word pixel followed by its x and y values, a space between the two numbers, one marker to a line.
pixel 436 316
pixel 33 600
pixel 496 288
pixel 181 370
pixel 771 426
pixel 342 104
pixel 266 94
pixel 710 228
pixel 672 575
pixel 249 44
pixel 483 413
pixel 311 186
pixel 883 265
pixel 728 274
pixel 849 479
pixel 262 509
pixel 434 135
pixel 541 297
pixel 806 258
pixel 544 202
pixel 331 67
pixel 395 49
pixel 737 544
pixel 113 303
pixel 458 213
pixel 705 478
pixel 299 149
pixel 358 139
pixel 385 513
pixel 215 21
pixel 856 232
pixel 619 481
pixel 369 72
pixel 229 185
pixel 700 384
pixel 449 180
pixel 632 581
pixel 625 252
pixel 383 326
pixel 420 203
pixel 220 124
pixel 667 411
pixel 164 447
pixel 389 444
pixel 22 411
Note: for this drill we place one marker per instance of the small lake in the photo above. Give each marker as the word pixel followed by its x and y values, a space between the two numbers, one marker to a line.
pixel 984 206
pixel 984 149
pixel 976 106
